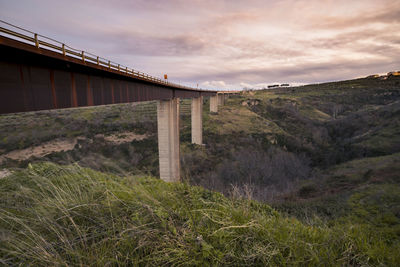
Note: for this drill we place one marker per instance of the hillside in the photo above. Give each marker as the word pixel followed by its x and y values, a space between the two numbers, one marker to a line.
pixel 293 135
pixel 309 176
pixel 53 215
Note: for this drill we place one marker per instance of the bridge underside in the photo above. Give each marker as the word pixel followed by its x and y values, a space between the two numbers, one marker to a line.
pixel 33 78
pixel 38 79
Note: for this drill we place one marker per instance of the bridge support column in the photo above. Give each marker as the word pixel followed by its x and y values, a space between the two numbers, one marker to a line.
pixel 221 99
pixel 168 139
pixel 214 103
pixel 197 120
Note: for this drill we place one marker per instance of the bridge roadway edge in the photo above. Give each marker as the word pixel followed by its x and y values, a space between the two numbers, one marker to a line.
pixel 39 79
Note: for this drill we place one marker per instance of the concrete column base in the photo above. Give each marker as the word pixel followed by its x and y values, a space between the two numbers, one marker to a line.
pixel 197 120
pixel 168 139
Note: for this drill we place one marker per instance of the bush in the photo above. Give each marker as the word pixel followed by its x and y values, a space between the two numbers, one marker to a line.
pixel 307 191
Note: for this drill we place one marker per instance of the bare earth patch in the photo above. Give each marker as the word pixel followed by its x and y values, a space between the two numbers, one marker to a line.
pixel 63 144
pixel 41 150
pixel 123 137
pixel 4 173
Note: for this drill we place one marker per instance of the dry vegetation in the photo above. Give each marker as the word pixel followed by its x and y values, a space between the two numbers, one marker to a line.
pixel 52 215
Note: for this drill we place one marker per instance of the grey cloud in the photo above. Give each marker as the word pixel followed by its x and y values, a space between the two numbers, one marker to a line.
pixel 391 37
pixel 313 72
pixel 135 43
pixel 388 13
pixel 392 52
pixel 352 39
pixel 257 49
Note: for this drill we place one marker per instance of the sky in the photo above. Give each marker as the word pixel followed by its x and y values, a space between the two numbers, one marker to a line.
pixel 225 45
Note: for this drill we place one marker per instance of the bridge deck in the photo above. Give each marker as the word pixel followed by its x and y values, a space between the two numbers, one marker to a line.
pixel 33 78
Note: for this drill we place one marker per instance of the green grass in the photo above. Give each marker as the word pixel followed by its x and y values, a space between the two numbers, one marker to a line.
pixel 67 215
pixel 363 193
pixel 314 113
pixel 21 130
pixel 358 167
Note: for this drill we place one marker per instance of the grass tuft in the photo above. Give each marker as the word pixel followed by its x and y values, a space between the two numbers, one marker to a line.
pixel 69 215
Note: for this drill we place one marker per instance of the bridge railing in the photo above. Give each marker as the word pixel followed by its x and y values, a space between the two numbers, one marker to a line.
pixel 41 41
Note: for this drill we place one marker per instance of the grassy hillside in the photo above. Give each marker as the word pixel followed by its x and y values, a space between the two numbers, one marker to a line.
pixel 53 215
pixel 89 129
pixel 272 140
pixel 326 157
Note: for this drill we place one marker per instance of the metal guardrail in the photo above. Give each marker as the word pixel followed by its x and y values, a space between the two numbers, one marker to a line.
pixel 41 41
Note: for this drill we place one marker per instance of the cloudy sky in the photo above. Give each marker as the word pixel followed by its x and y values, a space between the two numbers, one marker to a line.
pixel 226 44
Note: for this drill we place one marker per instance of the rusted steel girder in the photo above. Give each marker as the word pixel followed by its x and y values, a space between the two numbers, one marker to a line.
pixel 34 78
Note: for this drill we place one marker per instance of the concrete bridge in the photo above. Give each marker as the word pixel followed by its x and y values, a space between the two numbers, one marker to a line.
pixel 39 73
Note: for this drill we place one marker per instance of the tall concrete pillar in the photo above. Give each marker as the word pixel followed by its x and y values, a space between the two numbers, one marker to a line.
pixel 214 103
pixel 197 120
pixel 168 139
pixel 221 99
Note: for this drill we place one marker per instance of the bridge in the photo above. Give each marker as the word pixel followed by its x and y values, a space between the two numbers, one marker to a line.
pixel 40 73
